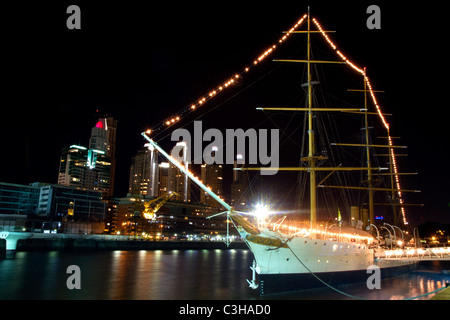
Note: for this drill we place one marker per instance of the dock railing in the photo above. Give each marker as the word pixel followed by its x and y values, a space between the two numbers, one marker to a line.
pixel 415 254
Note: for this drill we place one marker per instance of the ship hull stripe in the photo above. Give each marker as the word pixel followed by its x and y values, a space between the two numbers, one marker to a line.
pixel 281 283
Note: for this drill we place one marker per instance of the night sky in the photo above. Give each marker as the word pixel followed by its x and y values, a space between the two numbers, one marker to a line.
pixel 142 63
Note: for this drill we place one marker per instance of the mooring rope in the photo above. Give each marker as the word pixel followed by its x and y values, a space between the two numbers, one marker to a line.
pixel 352 296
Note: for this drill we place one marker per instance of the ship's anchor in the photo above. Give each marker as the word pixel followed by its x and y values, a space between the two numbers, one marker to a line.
pixel 252 284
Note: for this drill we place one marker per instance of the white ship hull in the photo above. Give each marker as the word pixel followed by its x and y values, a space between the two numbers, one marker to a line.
pixel 288 263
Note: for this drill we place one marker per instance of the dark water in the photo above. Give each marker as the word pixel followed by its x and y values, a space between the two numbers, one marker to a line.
pixel 168 275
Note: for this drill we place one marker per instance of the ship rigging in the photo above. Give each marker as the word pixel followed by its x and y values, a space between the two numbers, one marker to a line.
pixel 289 255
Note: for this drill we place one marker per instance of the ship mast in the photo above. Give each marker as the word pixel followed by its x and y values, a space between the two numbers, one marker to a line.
pixel 311 160
pixel 369 170
pixel 311 148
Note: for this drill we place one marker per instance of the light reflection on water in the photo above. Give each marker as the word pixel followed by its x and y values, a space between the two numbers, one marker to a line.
pixel 403 287
pixel 166 275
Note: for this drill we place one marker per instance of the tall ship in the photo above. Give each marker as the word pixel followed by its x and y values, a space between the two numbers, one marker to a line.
pixel 294 253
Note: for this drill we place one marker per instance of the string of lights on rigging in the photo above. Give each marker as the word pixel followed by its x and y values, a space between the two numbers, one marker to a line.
pixel 228 83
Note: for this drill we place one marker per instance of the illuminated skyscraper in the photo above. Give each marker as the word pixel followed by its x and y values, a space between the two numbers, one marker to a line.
pixel 144 172
pixel 212 176
pixel 103 138
pixel 111 150
pixel 98 172
pixel 72 166
pixel 163 178
pixel 99 135
pixel 179 182
pixel 85 168
pixel 239 185
pixel 92 168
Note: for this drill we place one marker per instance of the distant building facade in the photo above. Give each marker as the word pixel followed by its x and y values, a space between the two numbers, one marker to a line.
pixel 103 137
pixel 85 168
pixel 178 181
pixel 144 173
pixel 163 178
pixel 148 177
pixel 18 199
pixel 58 202
pixel 212 176
pixel 239 186
pixel 49 202
pixel 175 219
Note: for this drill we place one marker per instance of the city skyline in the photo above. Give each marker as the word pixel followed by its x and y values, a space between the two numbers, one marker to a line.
pixel 85 168
pixel 142 85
